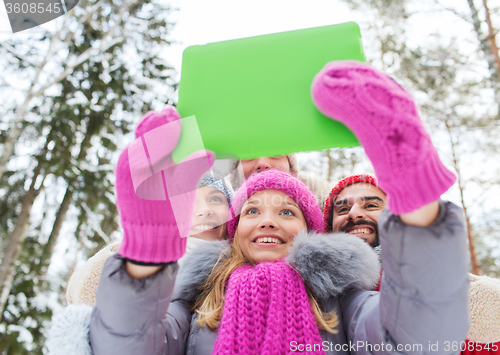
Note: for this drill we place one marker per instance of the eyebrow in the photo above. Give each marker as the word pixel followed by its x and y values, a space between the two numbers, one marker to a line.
pixel 253 202
pixel 213 192
pixel 292 204
pixel 364 199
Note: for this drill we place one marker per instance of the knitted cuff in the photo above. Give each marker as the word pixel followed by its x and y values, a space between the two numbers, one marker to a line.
pixel 140 263
pixel 418 187
pixel 154 244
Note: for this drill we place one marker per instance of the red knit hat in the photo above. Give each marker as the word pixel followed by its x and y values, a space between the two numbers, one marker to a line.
pixel 342 184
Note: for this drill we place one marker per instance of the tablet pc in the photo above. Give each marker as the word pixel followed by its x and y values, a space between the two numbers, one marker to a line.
pixel 251 96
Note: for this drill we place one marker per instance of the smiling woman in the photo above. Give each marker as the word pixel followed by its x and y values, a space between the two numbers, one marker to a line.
pixel 210 215
pixel 269 212
pixel 269 221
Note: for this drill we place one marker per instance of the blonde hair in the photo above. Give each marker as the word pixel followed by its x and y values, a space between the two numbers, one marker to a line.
pixel 210 303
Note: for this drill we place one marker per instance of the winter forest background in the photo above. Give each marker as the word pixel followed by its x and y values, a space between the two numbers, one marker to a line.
pixel 70 99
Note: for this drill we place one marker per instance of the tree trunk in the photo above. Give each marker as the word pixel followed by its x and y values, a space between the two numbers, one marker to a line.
pixel 48 249
pixel 11 139
pixel 16 239
pixel 492 38
pixel 62 294
pixel 475 268
pixel 330 165
pixel 490 53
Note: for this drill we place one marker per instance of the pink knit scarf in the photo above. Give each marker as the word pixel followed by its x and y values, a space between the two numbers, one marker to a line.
pixel 266 311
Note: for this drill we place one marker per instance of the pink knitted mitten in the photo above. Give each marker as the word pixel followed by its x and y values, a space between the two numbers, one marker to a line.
pixel 384 118
pixel 155 196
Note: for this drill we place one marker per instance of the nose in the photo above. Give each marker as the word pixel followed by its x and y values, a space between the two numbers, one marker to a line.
pixel 202 210
pixel 355 213
pixel 263 164
pixel 267 223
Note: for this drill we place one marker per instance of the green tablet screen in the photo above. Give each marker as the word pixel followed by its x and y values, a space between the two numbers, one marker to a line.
pixel 251 96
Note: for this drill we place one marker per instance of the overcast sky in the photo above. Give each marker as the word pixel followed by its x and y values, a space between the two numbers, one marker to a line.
pixel 202 21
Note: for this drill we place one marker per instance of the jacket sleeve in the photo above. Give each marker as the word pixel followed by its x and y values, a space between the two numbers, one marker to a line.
pixel 135 316
pixel 422 307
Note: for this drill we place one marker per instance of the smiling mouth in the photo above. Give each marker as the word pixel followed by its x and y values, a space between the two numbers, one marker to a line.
pixel 204 227
pixel 268 240
pixel 362 230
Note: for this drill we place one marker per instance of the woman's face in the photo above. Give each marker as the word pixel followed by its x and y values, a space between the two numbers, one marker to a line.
pixel 261 164
pixel 210 216
pixel 269 220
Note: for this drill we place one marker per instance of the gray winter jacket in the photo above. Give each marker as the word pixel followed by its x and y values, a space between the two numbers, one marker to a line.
pixel 422 306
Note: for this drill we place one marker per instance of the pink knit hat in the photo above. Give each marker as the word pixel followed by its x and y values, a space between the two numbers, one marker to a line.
pixel 280 181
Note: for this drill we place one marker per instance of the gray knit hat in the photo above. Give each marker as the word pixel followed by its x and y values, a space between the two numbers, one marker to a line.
pixel 215 179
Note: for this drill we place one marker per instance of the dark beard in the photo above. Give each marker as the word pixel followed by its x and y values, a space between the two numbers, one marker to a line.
pixel 375 242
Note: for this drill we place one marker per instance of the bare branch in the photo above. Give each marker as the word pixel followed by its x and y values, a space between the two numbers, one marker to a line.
pixel 12 51
pixel 95 226
pixel 492 37
pixel 15 130
pixel 90 52
pixel 453 11
pixel 85 19
pixel 81 58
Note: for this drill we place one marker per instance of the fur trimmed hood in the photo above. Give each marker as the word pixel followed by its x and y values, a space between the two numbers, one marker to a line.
pixel 329 264
pixel 69 333
pixel 82 285
pixel 484 309
pixel 332 264
pixel 325 263
pixel 196 268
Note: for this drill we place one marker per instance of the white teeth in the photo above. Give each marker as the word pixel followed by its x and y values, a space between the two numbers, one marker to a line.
pixel 360 231
pixel 268 240
pixel 203 227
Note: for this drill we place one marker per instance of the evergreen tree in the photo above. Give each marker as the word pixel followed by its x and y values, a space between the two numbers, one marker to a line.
pixel 101 70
